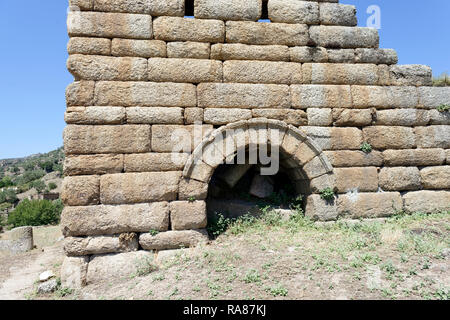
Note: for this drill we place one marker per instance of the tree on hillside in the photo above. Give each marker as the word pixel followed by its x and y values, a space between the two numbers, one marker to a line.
pixel 35 213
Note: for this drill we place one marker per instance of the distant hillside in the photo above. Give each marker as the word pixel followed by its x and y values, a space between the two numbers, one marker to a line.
pixel 29 177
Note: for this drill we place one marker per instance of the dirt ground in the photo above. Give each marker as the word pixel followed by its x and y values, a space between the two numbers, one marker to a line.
pixel 405 257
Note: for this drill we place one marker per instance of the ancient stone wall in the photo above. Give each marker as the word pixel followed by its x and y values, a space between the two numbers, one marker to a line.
pixel 142 70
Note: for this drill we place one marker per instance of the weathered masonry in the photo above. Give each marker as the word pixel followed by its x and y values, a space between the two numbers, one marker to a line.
pixel 311 76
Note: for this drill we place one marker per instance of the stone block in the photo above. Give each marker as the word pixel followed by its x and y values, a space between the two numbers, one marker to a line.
pixel 400 179
pixel 289 116
pixel 192 189
pixel 340 73
pixel 74 272
pixel 173 239
pixel 154 7
pixel 176 138
pixel 128 188
pixel 80 93
pixel 414 157
pixel 189 50
pixel 360 179
pixel 411 75
pixel 76 246
pixel 321 96
pixel 238 51
pixel 145 94
pixel 186 215
pixel 109 25
pixel 185 29
pixel 433 97
pixel 95 115
pixel 319 116
pixel 193 115
pixel 153 162
pixel 231 95
pixel 89 46
pixel 376 56
pixel 106 139
pixel 433 137
pixel 344 37
pixel 228 10
pixel 335 138
pixel 402 117
pixel 154 115
pixel 308 54
pixel 341 55
pixel 293 11
pixel 184 70
pixel 436 177
pixel 267 33
pixel 352 118
pixel 138 48
pixel 111 220
pixel 222 116
pixel 80 190
pixel 92 164
pixel 384 97
pixel 337 14
pixel 262 72
pixel 427 201
pixel 346 158
pixel 369 205
pixel 383 137
pixel 319 209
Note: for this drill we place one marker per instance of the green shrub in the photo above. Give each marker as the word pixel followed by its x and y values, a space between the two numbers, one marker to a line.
pixel 39 185
pixel 327 194
pixel 443 108
pixel 9 196
pixel 6 182
pixel 52 186
pixel 35 213
pixel 366 147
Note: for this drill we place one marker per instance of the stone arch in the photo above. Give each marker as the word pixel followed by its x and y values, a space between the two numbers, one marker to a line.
pixel 304 158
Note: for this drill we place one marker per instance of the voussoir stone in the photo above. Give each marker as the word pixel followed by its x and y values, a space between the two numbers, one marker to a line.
pixel 173 239
pixel 111 220
pixel 130 188
pixel 186 215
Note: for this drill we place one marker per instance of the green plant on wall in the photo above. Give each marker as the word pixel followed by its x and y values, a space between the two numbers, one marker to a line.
pixel 327 194
pixel 366 147
pixel 443 108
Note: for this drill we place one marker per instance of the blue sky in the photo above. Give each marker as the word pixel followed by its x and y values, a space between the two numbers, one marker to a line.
pixel 33 74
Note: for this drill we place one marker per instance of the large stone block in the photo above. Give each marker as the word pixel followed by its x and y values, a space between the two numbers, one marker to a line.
pixel 267 33
pixel 193 115
pixel 433 137
pixel 76 246
pixel 185 215
pixel 191 189
pixel 230 95
pixel 321 96
pixel 293 11
pixel 414 157
pixel 189 50
pixel 376 56
pixel 319 209
pixel 106 139
pixel 81 4
pixel 154 7
pixel 176 138
pixel 341 55
pixel 338 73
pixel 344 37
pixel 346 158
pixel 185 29
pixel 145 94
pixel 384 97
pixel 439 118
pixel 124 188
pixel 153 162
pixel 289 116
pixel 436 177
pixel 92 164
pixel 400 179
pixel 427 201
pixel 154 115
pixel 220 116
pixel 110 220
pixel 184 70
pixel 337 14
pixel 95 115
pixel 74 272
pixel 98 68
pixel 352 118
pixel 369 205
pixel 228 9
pixel 319 116
pixel 80 93
pixel 138 48
pixel 90 46
pixel 360 179
pixel 402 117
pixel 80 191
pixel 383 137
pixel 173 239
pixel 411 75
pixel 109 25
pixel 122 265
pixel 308 54
pixel 335 138
pixel 238 51
pixel 433 97
pixel 262 72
